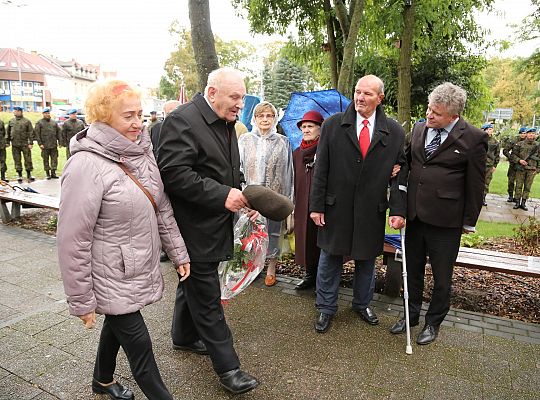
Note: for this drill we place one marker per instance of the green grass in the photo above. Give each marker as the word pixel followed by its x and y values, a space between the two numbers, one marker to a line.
pixel 499 183
pixel 495 229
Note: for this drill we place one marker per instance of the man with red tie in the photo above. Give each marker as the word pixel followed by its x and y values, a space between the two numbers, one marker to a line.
pixel 349 197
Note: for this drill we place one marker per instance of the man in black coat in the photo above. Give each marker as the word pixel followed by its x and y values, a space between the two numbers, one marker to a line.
pixel 349 197
pixel 199 164
pixel 446 158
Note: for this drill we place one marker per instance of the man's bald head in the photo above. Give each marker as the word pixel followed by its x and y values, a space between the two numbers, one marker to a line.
pixel 169 106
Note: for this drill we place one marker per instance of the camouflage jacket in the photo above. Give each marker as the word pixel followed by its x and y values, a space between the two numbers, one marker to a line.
pixel 3 140
pixel 70 128
pixel 493 152
pixel 528 151
pixel 47 133
pixel 20 132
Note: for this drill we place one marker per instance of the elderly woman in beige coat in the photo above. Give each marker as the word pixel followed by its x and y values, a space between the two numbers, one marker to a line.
pixel 114 217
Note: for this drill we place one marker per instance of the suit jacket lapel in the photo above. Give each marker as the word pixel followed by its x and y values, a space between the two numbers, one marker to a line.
pixel 453 135
pixel 348 122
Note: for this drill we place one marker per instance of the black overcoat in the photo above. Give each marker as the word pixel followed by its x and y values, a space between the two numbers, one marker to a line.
pixel 199 164
pixel 353 192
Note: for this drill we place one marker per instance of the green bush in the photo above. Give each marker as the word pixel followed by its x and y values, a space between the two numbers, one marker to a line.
pixel 527 236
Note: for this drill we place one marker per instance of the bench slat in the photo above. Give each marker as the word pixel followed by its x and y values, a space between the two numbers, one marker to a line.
pixel 33 199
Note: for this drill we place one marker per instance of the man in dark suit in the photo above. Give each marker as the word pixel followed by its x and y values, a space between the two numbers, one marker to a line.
pixel 156 128
pixel 446 158
pixel 355 158
pixel 200 168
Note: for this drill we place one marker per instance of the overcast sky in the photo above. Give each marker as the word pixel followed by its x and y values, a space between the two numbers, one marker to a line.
pixel 131 36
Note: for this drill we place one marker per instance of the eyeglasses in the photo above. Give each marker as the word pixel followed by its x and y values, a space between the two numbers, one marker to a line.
pixel 267 116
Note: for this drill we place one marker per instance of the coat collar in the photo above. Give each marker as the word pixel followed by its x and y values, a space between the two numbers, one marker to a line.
pixel 380 130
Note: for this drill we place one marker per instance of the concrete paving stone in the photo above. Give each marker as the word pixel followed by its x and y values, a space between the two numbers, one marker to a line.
pixel 527 327
pixel 469 315
pixel 83 346
pixel 13 345
pixel 3 373
pixel 500 393
pixel 526 379
pixel 461 339
pixel 68 331
pixel 7 313
pixel 205 386
pixel 398 377
pixel 44 396
pixel 14 388
pixel 532 334
pixel 496 373
pixel 516 353
pixel 458 363
pixel 482 324
pixel 469 328
pixel 449 324
pixel 505 335
pixel 527 339
pixel 37 361
pixel 511 330
pixel 498 321
pixel 39 322
pixel 454 318
pixel 448 387
pixel 45 285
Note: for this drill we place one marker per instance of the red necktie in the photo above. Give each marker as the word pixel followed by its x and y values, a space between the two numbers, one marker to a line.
pixel 363 139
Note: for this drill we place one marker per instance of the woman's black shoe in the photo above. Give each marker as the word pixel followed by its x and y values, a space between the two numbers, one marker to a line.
pixel 115 391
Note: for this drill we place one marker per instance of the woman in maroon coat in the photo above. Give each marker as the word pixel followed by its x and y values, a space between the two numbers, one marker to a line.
pixel 305 230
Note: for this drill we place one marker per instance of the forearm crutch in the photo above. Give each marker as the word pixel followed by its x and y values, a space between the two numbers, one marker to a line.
pixel 408 348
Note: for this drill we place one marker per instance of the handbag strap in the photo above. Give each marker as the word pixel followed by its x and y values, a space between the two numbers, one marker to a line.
pixel 145 191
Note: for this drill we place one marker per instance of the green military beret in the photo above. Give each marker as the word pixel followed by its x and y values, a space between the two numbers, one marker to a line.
pixel 269 203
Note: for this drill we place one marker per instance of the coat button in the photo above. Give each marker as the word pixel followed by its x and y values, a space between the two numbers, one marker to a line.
pixel 358 160
pixel 423 167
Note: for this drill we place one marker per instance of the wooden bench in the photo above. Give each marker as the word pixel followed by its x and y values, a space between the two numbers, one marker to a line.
pixel 467 257
pixel 18 198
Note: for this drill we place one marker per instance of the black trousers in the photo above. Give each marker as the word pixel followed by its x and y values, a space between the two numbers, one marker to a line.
pixel 442 246
pixel 130 332
pixel 198 314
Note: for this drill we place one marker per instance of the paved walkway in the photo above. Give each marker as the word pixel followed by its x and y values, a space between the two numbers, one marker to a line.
pixel 47 354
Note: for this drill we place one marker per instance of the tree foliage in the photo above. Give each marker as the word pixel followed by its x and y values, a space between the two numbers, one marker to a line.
pixel 443 27
pixel 281 79
pixel 181 64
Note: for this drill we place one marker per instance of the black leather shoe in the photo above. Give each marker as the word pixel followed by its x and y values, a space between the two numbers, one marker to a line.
pixel 237 381
pixel 368 315
pixel 323 322
pixel 428 334
pixel 163 257
pixel 307 283
pixel 197 347
pixel 115 391
pixel 400 327
pixel 510 199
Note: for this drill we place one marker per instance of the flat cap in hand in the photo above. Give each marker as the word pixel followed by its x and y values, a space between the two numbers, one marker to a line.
pixel 270 204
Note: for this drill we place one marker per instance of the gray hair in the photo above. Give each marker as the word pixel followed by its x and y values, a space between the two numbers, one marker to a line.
pixel 451 96
pixel 216 77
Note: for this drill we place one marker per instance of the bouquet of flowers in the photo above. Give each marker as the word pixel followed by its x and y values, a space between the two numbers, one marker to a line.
pixel 250 245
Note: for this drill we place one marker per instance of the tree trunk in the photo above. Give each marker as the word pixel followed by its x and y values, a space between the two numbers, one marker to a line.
pixel 202 40
pixel 404 67
pixel 331 42
pixel 343 18
pixel 346 71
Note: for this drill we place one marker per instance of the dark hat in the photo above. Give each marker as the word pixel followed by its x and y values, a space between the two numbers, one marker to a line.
pixel 46 109
pixel 72 111
pixel 17 108
pixel 487 126
pixel 523 129
pixel 311 116
pixel 153 112
pixel 533 129
pixel 270 204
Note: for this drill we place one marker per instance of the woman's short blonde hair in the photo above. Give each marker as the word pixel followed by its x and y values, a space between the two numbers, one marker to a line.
pixel 103 97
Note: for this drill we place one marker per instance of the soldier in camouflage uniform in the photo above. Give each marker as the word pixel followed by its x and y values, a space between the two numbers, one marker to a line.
pixel 525 155
pixel 3 145
pixel 493 155
pixel 21 135
pixel 70 128
pixel 47 133
pixel 153 120
pixel 511 166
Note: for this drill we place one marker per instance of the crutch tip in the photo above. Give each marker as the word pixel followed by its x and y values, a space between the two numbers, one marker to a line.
pixel 408 349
